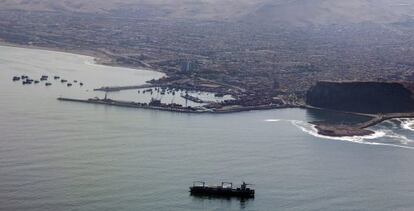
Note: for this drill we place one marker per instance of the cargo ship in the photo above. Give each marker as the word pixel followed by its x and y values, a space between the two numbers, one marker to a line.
pixel 225 190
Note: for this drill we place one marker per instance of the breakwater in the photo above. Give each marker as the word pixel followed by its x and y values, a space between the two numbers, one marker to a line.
pixel 383 117
pixel 120 88
pixel 359 129
pixel 133 105
pixel 174 107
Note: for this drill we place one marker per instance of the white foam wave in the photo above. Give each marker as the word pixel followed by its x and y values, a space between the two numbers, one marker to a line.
pixel 403 139
pixel 272 120
pixel 406 123
pixel 311 129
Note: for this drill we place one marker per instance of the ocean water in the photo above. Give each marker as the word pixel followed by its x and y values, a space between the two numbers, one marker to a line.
pixel 69 156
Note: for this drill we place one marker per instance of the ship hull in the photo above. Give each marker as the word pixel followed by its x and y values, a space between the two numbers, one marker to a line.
pixel 218 191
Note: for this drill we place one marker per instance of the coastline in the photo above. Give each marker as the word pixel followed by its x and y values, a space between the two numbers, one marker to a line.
pixel 102 58
pixel 99 58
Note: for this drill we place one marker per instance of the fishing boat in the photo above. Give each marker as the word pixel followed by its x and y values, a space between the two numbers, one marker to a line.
pixel 225 189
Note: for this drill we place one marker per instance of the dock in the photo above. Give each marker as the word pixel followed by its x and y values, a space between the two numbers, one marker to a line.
pixel 192 98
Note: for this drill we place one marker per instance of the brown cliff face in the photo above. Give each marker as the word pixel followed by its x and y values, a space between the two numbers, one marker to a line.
pixel 363 97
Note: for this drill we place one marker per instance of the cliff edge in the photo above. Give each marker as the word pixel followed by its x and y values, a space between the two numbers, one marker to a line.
pixel 362 97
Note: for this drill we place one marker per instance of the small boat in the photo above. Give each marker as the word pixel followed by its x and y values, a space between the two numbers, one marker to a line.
pixel 69 84
pixel 225 189
pixel 27 82
pixel 81 84
pixel 75 81
pixel 16 78
pixel 36 81
pixel 56 77
pixel 48 84
pixel 63 81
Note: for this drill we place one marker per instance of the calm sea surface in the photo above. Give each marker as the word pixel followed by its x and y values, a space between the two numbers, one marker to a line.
pixel 70 156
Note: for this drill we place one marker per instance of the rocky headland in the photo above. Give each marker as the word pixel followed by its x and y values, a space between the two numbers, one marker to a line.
pixel 378 100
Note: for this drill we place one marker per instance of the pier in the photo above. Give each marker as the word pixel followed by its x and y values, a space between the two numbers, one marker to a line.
pixel 120 88
pixel 192 98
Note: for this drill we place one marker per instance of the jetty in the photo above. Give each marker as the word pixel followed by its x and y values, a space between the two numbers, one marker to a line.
pixel 359 129
pixel 120 88
pixel 383 117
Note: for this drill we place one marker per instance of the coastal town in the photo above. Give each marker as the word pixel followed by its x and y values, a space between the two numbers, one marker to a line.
pixel 260 66
pixel 206 105
pixel 255 63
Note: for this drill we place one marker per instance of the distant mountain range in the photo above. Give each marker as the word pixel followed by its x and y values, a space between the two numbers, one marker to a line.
pixel 291 12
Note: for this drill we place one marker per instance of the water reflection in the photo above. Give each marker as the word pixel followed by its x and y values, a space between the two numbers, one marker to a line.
pixel 225 201
pixel 334 117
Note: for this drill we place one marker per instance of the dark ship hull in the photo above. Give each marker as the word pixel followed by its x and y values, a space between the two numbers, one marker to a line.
pixel 222 191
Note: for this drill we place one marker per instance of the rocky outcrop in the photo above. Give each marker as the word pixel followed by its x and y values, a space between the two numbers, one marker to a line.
pixel 341 130
pixel 363 97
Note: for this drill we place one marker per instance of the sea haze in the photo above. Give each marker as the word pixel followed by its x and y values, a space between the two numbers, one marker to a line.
pixel 70 156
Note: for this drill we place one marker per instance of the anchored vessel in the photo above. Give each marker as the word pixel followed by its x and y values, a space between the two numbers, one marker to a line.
pixel 225 189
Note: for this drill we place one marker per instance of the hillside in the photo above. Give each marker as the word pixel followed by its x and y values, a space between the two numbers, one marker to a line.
pixel 291 12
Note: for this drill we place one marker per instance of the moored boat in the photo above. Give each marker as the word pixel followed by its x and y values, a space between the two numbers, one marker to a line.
pixel 44 78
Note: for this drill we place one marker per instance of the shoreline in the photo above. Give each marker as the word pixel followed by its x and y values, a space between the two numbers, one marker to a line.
pixel 102 58
pixel 99 58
